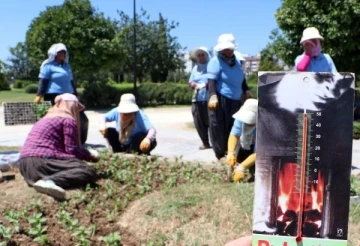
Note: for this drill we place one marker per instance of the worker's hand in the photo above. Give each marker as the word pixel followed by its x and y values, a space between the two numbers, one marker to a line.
pixel 103 132
pixel 239 174
pixel 94 155
pixel 231 159
pixel 145 145
pixel 213 102
pixel 243 241
pixel 37 99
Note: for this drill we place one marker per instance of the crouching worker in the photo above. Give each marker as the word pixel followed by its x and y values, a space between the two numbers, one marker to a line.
pixel 133 132
pixel 241 143
pixel 52 159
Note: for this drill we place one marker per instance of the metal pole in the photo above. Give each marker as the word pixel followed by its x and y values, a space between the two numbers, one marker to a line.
pixel 134 51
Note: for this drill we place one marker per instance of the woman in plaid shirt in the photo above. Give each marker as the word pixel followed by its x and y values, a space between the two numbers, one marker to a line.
pixel 52 158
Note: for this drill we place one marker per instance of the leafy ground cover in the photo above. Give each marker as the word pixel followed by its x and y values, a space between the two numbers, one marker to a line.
pixel 137 201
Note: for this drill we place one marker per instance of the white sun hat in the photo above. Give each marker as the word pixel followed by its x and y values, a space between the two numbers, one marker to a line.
pixel 238 55
pixel 127 104
pixel 194 52
pixel 310 33
pixel 225 41
pixel 248 112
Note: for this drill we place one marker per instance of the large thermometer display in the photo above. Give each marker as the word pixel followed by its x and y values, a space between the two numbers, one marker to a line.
pixel 304 146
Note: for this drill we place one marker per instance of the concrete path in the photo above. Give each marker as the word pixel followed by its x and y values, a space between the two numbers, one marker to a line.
pixel 176 135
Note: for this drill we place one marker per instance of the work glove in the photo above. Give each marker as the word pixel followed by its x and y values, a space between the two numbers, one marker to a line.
pixel 103 132
pixel 213 102
pixel 249 161
pixel 37 99
pixel 200 86
pixel 239 173
pixel 145 145
pixel 232 142
pixel 94 155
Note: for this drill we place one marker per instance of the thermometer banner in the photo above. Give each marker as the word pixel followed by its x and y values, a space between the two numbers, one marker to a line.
pixel 303 157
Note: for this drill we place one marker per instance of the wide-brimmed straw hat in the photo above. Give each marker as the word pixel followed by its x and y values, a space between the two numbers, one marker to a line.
pixel 127 104
pixel 225 41
pixel 310 33
pixel 248 112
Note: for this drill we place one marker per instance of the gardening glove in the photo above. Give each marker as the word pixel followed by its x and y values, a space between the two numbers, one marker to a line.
pixel 239 173
pixel 145 145
pixel 94 155
pixel 232 142
pixel 200 86
pixel 213 102
pixel 37 99
pixel 103 132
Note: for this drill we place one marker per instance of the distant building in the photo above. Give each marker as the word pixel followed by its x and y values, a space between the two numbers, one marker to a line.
pixel 251 64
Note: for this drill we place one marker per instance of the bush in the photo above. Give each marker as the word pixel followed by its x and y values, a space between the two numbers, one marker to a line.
pixel 18 84
pixel 356 130
pixel 31 89
pixel 100 94
pixel 4 85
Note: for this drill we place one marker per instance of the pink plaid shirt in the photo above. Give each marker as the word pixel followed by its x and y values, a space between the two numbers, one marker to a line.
pixel 54 138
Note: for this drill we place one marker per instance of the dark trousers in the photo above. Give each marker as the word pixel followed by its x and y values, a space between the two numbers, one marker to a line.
pixel 201 120
pixel 221 122
pixel 66 173
pixel 84 121
pixel 134 146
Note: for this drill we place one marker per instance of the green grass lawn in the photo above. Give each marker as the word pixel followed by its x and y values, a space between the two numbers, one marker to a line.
pixel 15 95
pixel 19 95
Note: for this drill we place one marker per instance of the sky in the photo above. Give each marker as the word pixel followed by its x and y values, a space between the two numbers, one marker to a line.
pixel 200 21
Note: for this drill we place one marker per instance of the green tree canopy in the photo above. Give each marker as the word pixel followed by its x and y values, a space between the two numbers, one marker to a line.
pixel 87 34
pixel 338 22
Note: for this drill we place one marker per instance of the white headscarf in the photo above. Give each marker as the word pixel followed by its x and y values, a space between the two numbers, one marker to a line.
pixel 52 52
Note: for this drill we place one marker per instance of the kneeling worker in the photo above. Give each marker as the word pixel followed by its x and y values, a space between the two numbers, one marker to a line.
pixel 243 132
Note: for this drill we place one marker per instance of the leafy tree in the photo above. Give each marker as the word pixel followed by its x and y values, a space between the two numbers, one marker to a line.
pixel 337 20
pixel 87 34
pixel 268 60
pixel 21 67
pixel 157 52
pixel 3 83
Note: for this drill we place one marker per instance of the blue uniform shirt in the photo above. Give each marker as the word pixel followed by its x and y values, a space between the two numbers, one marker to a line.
pixel 322 63
pixel 142 122
pixel 236 130
pixel 228 79
pixel 199 77
pixel 59 77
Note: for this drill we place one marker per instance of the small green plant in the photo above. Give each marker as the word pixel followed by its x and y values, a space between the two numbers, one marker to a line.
pixel 41 110
pixel 113 239
pixel 81 236
pixel 5 232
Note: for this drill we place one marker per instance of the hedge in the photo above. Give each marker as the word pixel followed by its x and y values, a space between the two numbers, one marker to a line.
pixel 31 89
pixel 99 94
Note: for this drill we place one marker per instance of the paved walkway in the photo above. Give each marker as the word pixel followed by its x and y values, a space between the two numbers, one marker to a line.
pixel 176 135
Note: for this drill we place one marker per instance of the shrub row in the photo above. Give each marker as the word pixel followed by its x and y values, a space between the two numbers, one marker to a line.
pixel 19 84
pixel 99 94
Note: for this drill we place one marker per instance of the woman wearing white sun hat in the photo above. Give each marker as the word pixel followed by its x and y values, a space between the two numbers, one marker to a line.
pixel 241 142
pixel 134 131
pixel 198 82
pixel 312 60
pixel 225 79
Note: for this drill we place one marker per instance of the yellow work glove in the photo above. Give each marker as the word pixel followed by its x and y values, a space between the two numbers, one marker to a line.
pixel 232 142
pixel 37 99
pixel 239 174
pixel 145 145
pixel 103 132
pixel 213 102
